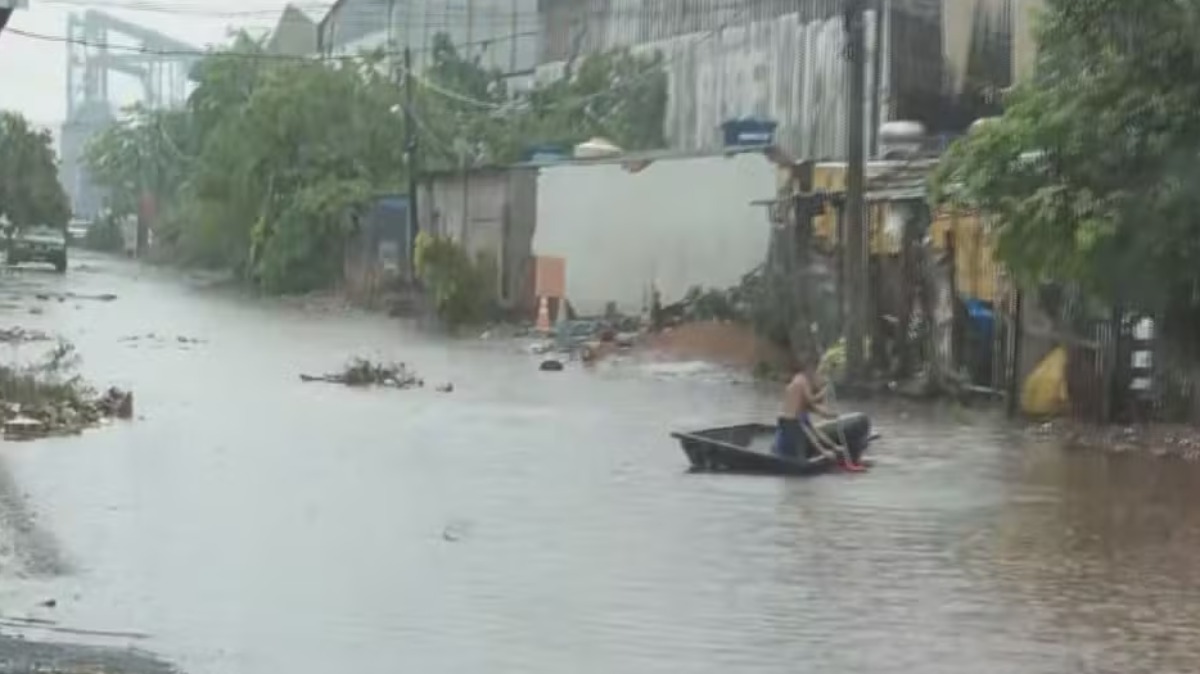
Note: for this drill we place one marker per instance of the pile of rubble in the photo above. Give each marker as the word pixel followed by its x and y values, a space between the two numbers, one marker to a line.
pixel 712 304
pixel 587 340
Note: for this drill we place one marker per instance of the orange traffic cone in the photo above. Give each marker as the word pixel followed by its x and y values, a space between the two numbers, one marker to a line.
pixel 543 315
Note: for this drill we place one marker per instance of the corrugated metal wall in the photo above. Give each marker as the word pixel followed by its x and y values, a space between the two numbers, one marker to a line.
pixel 502 34
pixel 587 26
pixel 788 67
pixel 784 59
pixel 493 213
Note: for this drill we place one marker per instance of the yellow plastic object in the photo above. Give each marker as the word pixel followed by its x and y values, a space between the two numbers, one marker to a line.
pixel 1045 391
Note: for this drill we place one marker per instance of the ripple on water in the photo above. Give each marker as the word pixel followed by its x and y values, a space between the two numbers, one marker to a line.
pixel 577 543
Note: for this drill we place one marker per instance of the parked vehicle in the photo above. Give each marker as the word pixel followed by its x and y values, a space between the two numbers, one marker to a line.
pixel 77 230
pixel 40 243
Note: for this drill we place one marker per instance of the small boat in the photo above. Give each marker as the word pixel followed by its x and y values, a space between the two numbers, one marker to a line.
pixel 747 448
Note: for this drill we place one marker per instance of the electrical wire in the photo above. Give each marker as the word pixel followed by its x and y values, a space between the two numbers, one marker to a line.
pixel 584 100
pixel 264 56
pixel 419 13
pixel 167 53
pixel 745 8
pixel 195 9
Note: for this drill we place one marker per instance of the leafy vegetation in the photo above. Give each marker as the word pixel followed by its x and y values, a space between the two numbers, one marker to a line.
pixel 617 95
pixel 30 193
pixel 1089 173
pixel 268 167
pixel 456 284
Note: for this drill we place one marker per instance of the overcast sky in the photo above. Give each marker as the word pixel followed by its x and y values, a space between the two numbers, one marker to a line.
pixel 33 72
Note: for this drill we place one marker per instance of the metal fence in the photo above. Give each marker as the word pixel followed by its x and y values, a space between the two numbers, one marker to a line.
pixel 376 256
pixel 1120 370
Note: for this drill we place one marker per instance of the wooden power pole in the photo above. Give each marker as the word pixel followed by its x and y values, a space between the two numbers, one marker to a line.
pixel 856 229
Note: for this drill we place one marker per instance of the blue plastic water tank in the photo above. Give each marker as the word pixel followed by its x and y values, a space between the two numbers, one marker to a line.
pixel 543 152
pixel 749 131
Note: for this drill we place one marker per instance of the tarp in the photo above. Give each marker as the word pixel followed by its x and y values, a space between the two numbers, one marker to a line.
pixel 1045 391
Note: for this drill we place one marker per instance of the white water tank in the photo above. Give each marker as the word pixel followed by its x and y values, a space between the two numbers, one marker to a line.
pixel 596 148
pixel 901 139
pixel 981 123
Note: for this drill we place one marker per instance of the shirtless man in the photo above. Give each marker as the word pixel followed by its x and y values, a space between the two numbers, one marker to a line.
pixel 796 430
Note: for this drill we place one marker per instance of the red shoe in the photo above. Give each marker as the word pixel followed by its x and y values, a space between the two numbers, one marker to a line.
pixel 851 467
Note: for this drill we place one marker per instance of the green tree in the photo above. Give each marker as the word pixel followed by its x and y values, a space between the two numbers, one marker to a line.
pixel 266 167
pixel 309 130
pixel 1088 176
pixel 468 111
pixel 30 193
pixel 617 94
pixel 145 153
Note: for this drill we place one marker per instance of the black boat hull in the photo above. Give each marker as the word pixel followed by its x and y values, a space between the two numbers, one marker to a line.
pixel 746 448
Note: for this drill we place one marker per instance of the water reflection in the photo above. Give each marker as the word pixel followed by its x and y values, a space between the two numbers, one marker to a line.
pixel 1103 548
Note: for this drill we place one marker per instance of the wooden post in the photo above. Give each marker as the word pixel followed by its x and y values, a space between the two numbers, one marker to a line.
pixel 856 235
pixel 840 249
pixel 956 327
pixel 877 78
pixel 1016 327
pixel 1112 366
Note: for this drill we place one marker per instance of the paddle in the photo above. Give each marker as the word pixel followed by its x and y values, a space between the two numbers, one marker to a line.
pixel 828 396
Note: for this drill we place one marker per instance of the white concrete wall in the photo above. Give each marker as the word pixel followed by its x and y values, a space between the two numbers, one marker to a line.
pixel 678 223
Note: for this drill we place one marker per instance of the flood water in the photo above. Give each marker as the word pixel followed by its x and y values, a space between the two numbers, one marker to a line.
pixel 544 522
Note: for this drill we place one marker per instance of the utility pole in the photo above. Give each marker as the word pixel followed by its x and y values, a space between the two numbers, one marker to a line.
pixel 856 234
pixel 877 77
pixel 469 47
pixel 391 39
pixel 410 158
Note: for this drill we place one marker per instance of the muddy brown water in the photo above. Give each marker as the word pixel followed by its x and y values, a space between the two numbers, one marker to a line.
pixel 543 522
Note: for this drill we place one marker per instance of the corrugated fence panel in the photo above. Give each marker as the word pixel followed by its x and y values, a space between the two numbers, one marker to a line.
pixel 789 68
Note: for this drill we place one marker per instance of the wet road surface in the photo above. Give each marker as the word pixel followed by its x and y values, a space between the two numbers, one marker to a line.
pixel 543 522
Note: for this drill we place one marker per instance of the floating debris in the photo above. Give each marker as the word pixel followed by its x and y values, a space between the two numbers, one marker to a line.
pixel 103 297
pixel 540 348
pixel 154 338
pixel 67 415
pixel 364 372
pixel 44 399
pixel 551 366
pixel 63 297
pixel 16 335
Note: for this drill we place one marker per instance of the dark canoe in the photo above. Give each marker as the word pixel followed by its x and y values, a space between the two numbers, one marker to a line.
pixel 746 449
